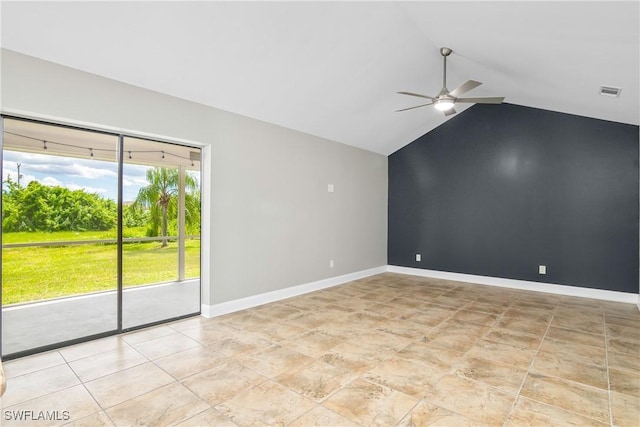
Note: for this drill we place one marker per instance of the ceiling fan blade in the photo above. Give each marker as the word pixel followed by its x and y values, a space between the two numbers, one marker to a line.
pixel 465 87
pixel 411 108
pixel 416 94
pixel 487 100
pixel 450 111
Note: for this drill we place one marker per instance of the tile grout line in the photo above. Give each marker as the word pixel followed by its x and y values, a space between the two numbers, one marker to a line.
pixel 606 358
pixel 569 381
pixel 408 412
pixel 524 380
pixel 8 362
pixel 595 388
pixel 102 408
pixel 453 366
pixel 88 391
pixel 499 319
pixel 110 373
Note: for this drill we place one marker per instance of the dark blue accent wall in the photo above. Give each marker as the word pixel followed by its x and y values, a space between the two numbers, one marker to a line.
pixel 500 189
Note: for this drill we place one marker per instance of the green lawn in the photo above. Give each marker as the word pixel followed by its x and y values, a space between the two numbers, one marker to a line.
pixel 43 236
pixel 39 273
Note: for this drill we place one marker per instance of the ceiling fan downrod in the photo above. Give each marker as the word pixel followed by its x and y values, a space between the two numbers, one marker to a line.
pixel 445 51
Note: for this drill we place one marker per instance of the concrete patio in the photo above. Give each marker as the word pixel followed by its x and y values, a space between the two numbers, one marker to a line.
pixel 28 326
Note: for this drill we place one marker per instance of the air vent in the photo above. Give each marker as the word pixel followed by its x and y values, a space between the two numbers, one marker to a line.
pixel 610 91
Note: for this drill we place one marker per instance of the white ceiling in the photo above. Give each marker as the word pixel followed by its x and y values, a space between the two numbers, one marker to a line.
pixel 333 69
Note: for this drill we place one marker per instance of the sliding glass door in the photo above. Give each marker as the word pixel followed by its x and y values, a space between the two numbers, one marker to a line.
pixel 100 234
pixel 59 215
pixel 161 231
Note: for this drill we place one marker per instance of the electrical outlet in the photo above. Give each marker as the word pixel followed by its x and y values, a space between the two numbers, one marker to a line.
pixel 418 257
pixel 330 263
pixel 542 269
pixel 330 188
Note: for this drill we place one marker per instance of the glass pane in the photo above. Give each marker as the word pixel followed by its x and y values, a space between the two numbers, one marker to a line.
pixel 192 222
pixel 160 186
pixel 148 257
pixel 59 213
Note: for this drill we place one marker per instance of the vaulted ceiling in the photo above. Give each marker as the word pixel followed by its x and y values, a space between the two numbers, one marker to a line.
pixel 332 69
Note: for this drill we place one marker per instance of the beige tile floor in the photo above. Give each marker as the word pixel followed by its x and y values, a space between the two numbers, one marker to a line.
pixel 382 351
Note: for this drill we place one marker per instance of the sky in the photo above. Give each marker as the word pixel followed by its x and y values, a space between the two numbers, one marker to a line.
pixel 94 176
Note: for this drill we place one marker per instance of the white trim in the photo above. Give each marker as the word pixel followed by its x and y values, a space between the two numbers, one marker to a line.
pixel 522 284
pixel 256 300
pixel 205 223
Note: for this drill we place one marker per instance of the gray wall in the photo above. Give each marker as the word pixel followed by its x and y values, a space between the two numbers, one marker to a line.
pixel 500 189
pixel 272 222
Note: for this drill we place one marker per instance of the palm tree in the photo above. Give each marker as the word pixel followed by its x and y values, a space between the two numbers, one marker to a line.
pixel 160 198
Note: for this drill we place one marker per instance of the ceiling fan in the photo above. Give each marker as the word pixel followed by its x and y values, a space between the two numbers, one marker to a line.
pixel 447 99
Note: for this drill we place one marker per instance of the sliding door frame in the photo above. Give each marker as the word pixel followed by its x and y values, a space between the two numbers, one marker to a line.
pixel 119 226
pixel 119 237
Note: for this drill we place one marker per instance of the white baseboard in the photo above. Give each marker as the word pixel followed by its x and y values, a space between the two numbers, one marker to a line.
pixel 256 300
pixel 522 284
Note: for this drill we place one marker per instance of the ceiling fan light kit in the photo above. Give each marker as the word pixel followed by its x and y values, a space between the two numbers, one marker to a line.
pixel 446 99
pixel 443 104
